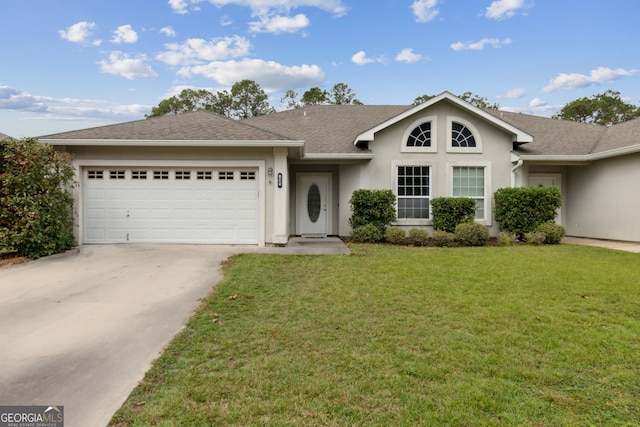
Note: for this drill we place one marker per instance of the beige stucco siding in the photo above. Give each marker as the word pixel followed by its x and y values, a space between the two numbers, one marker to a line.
pixel 495 155
pixel 604 199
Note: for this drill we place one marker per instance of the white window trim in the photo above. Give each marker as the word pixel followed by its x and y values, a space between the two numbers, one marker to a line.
pixel 394 186
pixel 471 127
pixel 434 139
pixel 488 196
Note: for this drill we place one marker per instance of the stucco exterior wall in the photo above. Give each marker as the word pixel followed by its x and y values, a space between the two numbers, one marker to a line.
pixel 604 199
pixel 495 156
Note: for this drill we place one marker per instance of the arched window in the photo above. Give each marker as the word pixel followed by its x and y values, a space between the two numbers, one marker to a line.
pixel 420 136
pixel 461 136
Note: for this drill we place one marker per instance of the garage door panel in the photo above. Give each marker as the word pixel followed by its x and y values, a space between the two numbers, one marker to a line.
pixel 169 210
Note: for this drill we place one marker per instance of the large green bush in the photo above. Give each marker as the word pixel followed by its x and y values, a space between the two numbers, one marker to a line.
pixel 35 203
pixel 522 210
pixel 448 212
pixel 377 207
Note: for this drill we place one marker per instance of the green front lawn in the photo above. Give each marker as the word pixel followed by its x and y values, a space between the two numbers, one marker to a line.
pixel 404 336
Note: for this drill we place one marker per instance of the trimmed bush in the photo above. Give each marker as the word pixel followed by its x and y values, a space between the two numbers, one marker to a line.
pixel 506 239
pixel 443 238
pixel 395 236
pixel 36 207
pixel 535 238
pixel 448 212
pixel 553 233
pixel 472 234
pixel 369 233
pixel 522 210
pixel 376 207
pixel 418 237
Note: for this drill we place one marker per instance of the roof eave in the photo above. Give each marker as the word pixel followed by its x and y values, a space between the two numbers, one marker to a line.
pixel 633 149
pixel 173 143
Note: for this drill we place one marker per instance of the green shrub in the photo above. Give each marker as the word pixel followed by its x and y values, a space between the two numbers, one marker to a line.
pixel 522 210
pixel 395 236
pixel 372 207
pixel 553 233
pixel 36 207
pixel 506 239
pixel 418 237
pixel 535 238
pixel 471 234
pixel 369 233
pixel 448 212
pixel 443 238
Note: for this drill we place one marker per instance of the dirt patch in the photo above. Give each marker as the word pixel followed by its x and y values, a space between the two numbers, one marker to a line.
pixel 11 258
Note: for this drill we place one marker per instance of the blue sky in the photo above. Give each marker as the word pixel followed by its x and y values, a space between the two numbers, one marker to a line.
pixel 70 64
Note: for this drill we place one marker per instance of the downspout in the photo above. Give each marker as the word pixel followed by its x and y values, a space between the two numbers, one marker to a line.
pixel 513 172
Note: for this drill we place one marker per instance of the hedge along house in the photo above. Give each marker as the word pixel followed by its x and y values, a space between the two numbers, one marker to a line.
pixel 202 178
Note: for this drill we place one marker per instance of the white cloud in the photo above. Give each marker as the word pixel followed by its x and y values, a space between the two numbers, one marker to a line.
pixel 425 10
pixel 271 76
pixel 47 107
pixel 537 103
pixel 195 51
pixel 80 33
pixel 124 34
pixel 502 9
pixel 178 6
pixel 480 45
pixel 120 64
pixel 168 31
pixel 360 58
pixel 516 93
pixel 600 75
pixel 279 24
pixel 408 55
pixel 263 6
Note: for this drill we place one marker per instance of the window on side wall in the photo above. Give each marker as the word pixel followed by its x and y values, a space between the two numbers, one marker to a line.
pixel 413 189
pixel 469 181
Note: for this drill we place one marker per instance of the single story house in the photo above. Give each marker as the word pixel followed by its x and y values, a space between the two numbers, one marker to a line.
pixel 201 178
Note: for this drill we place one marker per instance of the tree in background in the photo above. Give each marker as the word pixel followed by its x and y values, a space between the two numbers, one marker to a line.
pixel 471 98
pixel 36 206
pixel 603 109
pixel 246 99
pixel 340 94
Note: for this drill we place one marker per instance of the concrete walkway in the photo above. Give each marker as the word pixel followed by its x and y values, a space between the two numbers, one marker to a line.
pixel 609 244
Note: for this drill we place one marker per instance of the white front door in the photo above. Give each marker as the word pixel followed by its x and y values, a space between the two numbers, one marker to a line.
pixel 313 199
pixel 547 180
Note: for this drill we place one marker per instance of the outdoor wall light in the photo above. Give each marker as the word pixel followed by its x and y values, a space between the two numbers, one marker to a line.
pixel 270 171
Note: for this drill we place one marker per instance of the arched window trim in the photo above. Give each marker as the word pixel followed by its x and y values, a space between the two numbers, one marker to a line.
pixel 474 132
pixel 433 148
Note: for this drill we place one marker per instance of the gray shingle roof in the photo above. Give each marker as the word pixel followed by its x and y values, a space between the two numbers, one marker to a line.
pixel 194 126
pixel 328 129
pixel 552 136
pixel 4 136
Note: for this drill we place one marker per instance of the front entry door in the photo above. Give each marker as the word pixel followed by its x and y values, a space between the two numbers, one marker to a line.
pixel 313 196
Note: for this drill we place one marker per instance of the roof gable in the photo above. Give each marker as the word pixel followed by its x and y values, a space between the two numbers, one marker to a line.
pixel 518 135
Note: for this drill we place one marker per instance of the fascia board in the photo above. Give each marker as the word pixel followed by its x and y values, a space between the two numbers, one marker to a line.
pixel 173 143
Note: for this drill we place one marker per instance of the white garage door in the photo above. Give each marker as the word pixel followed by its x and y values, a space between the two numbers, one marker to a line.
pixel 168 205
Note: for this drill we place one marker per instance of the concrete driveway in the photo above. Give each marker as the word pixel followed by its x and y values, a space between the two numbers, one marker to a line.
pixel 80 329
